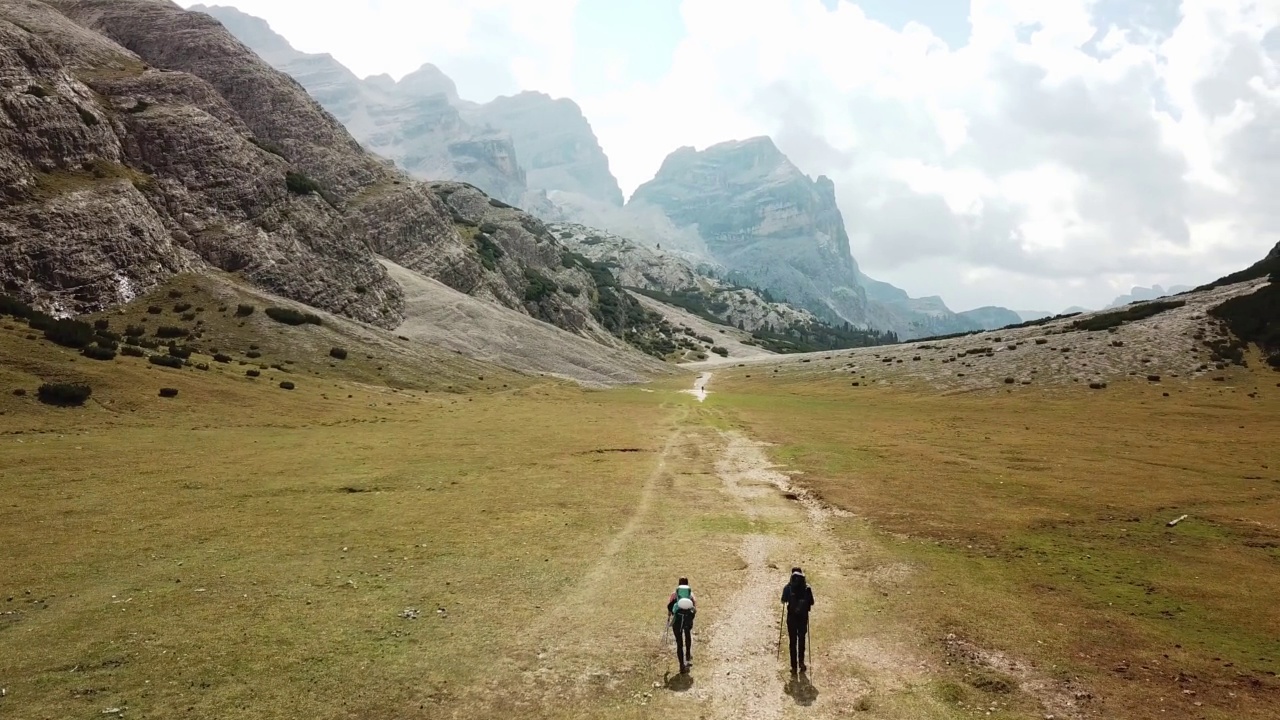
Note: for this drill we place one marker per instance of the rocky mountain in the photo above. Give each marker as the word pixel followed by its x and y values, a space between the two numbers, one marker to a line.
pixel 775 228
pixel 1139 294
pixel 514 148
pixel 413 122
pixel 556 144
pixel 677 280
pixel 992 317
pixel 141 140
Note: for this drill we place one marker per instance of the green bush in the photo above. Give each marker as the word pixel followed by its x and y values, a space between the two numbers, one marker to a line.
pixel 101 325
pixel 168 392
pixel 64 394
pixel 132 351
pixel 539 287
pixel 180 352
pixel 69 333
pixel 94 352
pixel 168 361
pixel 175 293
pixel 300 184
pixel 1105 321
pixel 286 385
pixel 188 317
pixel 722 352
pixel 495 202
pixel 488 250
pixel 220 357
pixel 253 354
pixel 182 307
pixel 289 316
pixel 14 307
pixel 253 373
pixel 338 353
pixel 155 310
pixel 134 331
pixel 168 332
pixel 20 392
pixel 244 310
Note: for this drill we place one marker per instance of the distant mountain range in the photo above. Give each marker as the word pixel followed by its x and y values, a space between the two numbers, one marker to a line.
pixel 742 204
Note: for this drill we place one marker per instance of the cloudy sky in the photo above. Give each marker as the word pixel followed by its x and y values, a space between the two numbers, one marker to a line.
pixel 1024 153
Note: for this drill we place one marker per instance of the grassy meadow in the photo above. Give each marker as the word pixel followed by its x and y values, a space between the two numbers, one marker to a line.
pixel 1034 524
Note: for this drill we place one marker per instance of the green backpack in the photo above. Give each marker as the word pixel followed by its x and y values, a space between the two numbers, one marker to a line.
pixel 682 592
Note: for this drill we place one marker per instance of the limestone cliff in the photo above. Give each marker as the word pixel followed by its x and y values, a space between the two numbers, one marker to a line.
pixel 556 144
pixel 138 140
pixel 775 228
pixel 413 122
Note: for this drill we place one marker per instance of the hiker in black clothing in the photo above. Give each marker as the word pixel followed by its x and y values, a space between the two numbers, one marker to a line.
pixel 798 597
pixel 681 607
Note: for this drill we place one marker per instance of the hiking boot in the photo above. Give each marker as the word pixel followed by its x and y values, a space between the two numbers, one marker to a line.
pixel 803 669
pixel 793 670
pixel 684 669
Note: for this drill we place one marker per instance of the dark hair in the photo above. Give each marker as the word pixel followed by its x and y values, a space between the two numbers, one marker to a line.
pixel 796 570
pixel 683 581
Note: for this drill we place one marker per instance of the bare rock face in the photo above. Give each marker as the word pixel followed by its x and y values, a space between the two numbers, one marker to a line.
pixel 138 140
pixel 774 228
pixel 118 174
pixel 673 277
pixel 557 146
pixel 413 122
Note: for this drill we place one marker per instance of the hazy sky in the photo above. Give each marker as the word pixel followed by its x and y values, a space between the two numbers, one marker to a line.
pixel 1025 153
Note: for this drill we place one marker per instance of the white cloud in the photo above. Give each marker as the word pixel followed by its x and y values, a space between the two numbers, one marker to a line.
pixel 1069 150
pixel 1053 155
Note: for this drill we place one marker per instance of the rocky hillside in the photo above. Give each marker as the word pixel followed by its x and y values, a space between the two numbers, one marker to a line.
pixel 1139 294
pixel 775 228
pixel 556 144
pixel 413 122
pixel 141 140
pixel 514 148
pixel 675 279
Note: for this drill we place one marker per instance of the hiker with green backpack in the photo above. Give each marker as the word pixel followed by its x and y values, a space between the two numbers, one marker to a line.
pixel 681 607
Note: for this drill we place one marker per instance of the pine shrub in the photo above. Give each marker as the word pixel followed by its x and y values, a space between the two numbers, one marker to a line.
pixel 289 316
pixel 338 353
pixel 168 361
pixel 64 394
pixel 168 392
pixel 95 352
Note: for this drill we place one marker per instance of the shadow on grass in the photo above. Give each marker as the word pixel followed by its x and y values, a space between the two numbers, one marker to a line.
pixel 680 682
pixel 801 690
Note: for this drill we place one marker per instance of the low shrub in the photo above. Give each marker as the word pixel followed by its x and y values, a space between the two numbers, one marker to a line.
pixel 168 332
pixel 14 307
pixel 338 353
pixel 1108 320
pixel 134 331
pixel 253 354
pixel 722 352
pixel 175 294
pixel 300 184
pixel 289 316
pixel 222 358
pixel 202 366
pixel 101 325
pixel 95 352
pixel 168 392
pixel 495 202
pixel 69 333
pixel 64 394
pixel 253 373
pixel 244 310
pixel 168 361
pixel 286 385
pixel 188 316
pixel 155 310
pixel 539 286
pixel 180 352
pixel 182 307
pixel 133 351
pixel 20 392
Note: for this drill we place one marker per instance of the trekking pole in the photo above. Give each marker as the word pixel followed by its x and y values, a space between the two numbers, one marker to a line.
pixel 808 646
pixel 778 655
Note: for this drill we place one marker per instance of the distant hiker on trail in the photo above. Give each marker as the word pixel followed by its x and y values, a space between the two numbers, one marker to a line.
pixel 798 597
pixel 681 607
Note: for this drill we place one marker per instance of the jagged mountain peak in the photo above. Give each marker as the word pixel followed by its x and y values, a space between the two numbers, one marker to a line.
pixel 428 80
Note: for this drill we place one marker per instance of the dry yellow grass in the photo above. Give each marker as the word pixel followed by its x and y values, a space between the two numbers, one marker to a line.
pixel 1033 523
